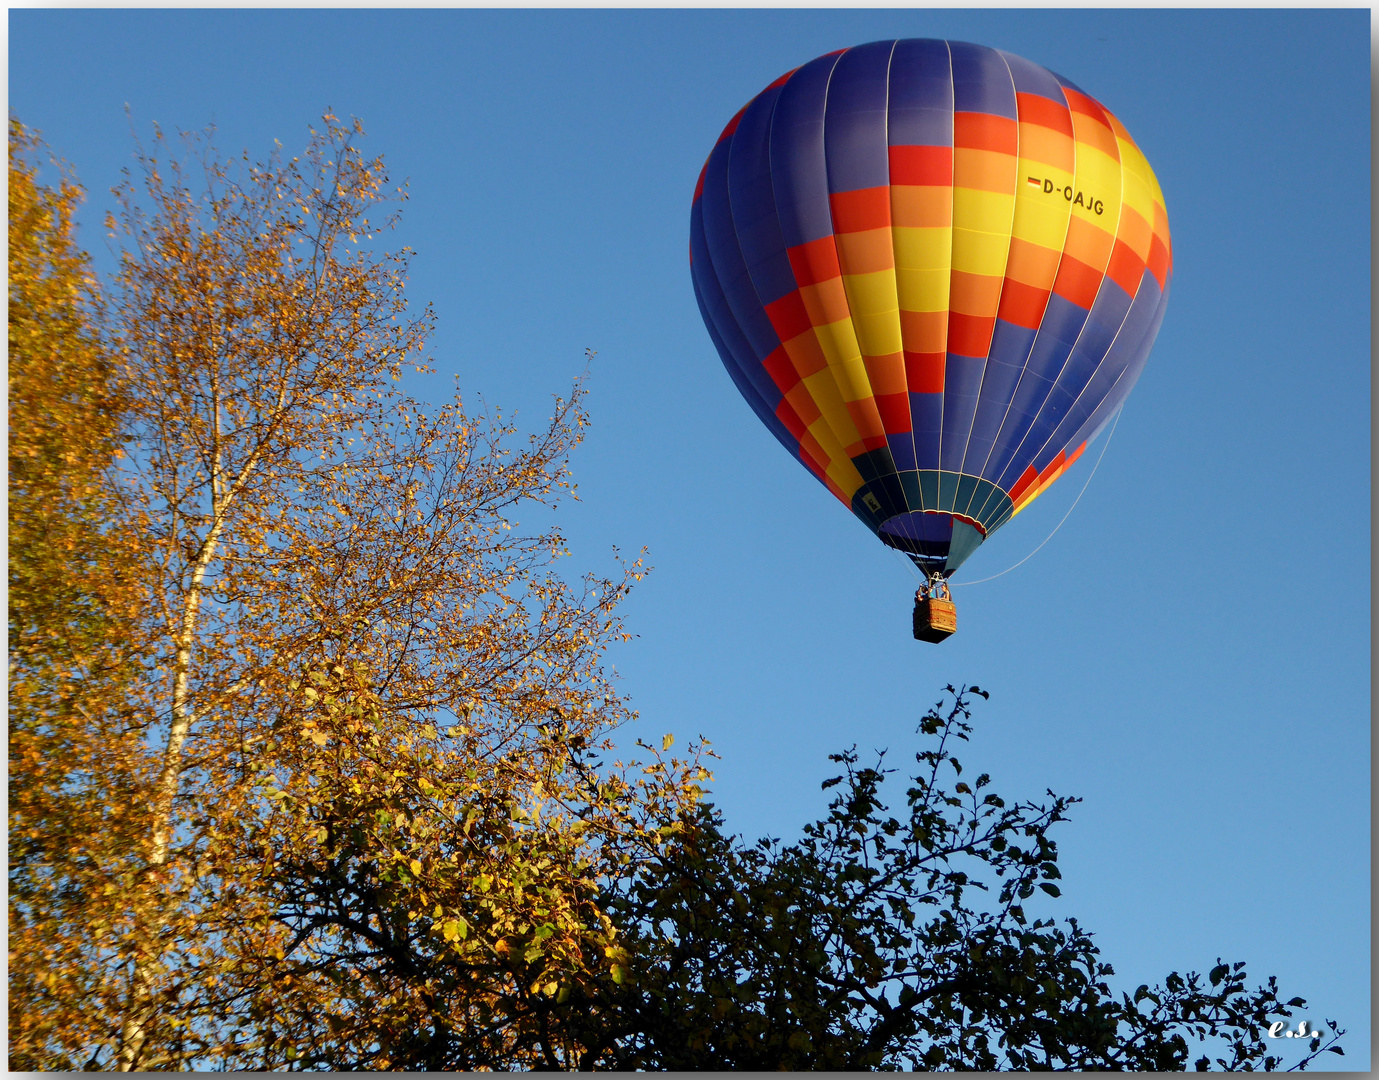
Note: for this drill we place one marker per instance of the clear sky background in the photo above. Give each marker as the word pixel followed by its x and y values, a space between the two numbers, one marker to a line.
pixel 1190 653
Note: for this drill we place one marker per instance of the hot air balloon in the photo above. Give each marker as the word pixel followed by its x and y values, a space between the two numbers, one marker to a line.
pixel 934 270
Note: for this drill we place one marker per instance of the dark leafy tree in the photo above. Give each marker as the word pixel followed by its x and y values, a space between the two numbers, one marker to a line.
pixel 879 940
pixel 888 940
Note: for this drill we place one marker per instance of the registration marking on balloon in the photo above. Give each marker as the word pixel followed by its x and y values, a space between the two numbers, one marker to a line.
pixel 934 271
pixel 1076 198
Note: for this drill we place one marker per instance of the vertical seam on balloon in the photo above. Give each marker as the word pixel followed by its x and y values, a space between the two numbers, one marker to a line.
pixel 877 490
pixel 1120 171
pixel 895 260
pixel 1163 297
pixel 986 362
pixel 1124 318
pixel 736 236
pixel 727 313
pixel 1020 381
pixel 838 436
pixel 1015 393
pixel 1112 345
pixel 746 385
pixel 895 277
pixel 1117 410
pixel 770 126
pixel 728 193
pixel 948 323
pixel 1109 393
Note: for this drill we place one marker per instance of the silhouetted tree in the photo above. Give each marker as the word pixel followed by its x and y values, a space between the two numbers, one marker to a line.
pixel 888 940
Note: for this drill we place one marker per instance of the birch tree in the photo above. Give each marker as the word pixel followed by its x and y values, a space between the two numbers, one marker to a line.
pixel 309 532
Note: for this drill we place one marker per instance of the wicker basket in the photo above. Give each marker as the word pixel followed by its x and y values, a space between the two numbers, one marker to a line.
pixel 935 619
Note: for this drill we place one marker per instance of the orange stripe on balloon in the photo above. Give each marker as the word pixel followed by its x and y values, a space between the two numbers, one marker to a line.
pixel 1023 305
pixel 1077 282
pixel 1037 109
pixel 865 252
pixel 826 302
pixel 973 294
pixel 1098 133
pixel 814 262
pixel 922 207
pixel 802 401
pixel 924 166
pixel 858 211
pixel 895 412
pixel 1158 261
pixel 1161 232
pixel 1031 264
pixel 788 316
pixel 983 131
pixel 924 331
pixel 806 353
pixel 970 335
pixel 1125 268
pixel 791 419
pixel 1134 231
pixel 1087 242
pixel 781 369
pixel 886 374
pixel 867 419
pixel 984 170
pixel 924 372
pixel 1052 148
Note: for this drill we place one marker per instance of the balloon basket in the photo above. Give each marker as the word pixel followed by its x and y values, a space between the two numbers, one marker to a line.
pixel 936 616
pixel 935 619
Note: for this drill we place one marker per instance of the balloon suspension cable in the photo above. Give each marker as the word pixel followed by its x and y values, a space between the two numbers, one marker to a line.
pixel 1104 447
pixel 907 562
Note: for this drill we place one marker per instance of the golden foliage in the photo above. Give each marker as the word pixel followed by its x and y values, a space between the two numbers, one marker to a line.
pixel 365 803
pixel 73 596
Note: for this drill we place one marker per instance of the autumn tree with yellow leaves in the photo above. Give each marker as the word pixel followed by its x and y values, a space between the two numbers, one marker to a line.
pixel 75 596
pixel 350 667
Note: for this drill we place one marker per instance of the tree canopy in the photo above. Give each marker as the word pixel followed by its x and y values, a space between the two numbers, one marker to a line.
pixel 312 758
pixel 899 940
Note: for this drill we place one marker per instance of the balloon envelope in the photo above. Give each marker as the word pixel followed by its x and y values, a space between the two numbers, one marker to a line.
pixel 934 270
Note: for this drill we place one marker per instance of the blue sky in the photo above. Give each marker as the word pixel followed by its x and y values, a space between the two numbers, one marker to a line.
pixel 1190 652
